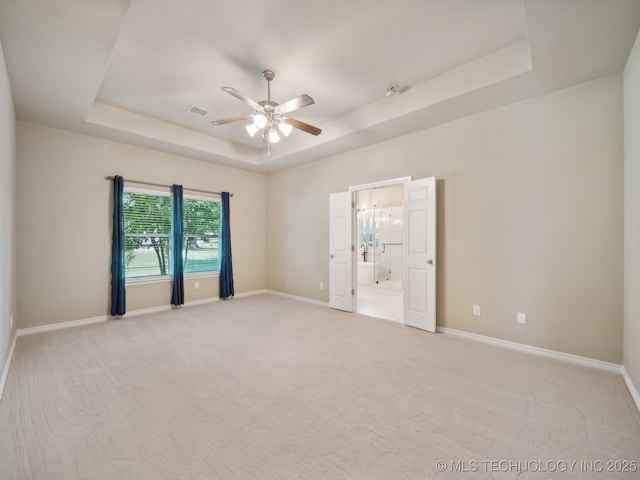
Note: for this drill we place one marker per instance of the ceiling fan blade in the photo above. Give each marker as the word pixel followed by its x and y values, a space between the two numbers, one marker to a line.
pixel 231 120
pixel 294 104
pixel 244 98
pixel 305 127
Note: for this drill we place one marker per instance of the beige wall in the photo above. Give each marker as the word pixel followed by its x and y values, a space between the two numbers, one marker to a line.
pixel 7 214
pixel 64 223
pixel 529 206
pixel 632 215
pixel 529 218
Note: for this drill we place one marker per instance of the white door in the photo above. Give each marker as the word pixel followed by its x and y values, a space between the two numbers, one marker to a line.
pixel 420 254
pixel 340 255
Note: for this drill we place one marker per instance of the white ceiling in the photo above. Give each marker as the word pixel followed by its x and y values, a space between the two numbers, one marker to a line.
pixel 128 70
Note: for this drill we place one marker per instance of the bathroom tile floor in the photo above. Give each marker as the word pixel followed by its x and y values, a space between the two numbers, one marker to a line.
pixel 383 300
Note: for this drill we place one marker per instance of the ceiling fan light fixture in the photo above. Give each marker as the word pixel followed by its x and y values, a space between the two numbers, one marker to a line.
pixel 273 136
pixel 259 120
pixel 252 129
pixel 285 128
pixel 269 117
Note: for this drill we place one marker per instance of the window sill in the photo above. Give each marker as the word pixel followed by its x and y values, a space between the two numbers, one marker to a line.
pixel 167 278
pixel 148 280
pixel 201 274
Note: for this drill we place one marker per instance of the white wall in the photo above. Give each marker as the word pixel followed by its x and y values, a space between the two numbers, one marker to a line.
pixel 7 214
pixel 529 217
pixel 632 214
pixel 64 223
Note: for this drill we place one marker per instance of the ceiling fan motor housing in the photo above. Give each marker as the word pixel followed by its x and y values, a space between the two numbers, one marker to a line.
pixel 268 75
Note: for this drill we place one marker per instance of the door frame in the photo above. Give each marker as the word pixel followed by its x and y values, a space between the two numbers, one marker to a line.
pixel 354 226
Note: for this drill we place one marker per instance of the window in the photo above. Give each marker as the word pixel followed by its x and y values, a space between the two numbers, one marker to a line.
pixel 201 235
pixel 147 223
pixel 147 233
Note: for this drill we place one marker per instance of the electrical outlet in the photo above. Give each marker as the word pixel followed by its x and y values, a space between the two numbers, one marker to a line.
pixel 196 285
pixel 522 318
pixel 476 310
pixel 321 286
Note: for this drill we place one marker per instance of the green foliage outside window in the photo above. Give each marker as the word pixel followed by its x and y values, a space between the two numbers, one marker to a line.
pixel 202 235
pixel 147 219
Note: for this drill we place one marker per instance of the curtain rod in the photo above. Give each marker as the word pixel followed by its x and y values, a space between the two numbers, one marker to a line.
pixel 166 186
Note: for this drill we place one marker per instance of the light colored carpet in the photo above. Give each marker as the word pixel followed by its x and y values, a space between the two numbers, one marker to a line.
pixel 270 388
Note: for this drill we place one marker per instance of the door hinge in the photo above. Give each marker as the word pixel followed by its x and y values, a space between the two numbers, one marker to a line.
pixel 353 248
pixel 353 292
pixel 353 204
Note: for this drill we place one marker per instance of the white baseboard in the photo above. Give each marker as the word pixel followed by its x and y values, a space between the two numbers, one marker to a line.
pixel 164 308
pixel 248 294
pixel 202 301
pixel 567 357
pixel 5 371
pixel 142 311
pixel 632 388
pixel 61 325
pixel 103 318
pixel 296 297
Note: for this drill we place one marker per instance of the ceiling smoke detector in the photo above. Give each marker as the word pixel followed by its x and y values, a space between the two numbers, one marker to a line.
pixel 392 89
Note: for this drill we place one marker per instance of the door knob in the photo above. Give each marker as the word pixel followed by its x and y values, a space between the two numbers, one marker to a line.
pixel 429 261
pixel 331 257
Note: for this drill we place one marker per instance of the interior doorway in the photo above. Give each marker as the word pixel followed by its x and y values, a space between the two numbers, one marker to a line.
pixel 418 250
pixel 379 248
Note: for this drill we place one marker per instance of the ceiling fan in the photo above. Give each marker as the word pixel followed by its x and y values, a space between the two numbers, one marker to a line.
pixel 271 117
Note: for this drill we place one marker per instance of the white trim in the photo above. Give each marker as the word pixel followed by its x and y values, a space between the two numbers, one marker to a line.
pixel 144 311
pixel 384 183
pixel 164 308
pixel 296 297
pixel 5 371
pixel 130 281
pixel 567 357
pixel 103 318
pixel 202 301
pixel 632 388
pixel 202 196
pixel 150 190
pixel 211 274
pixel 248 294
pixel 61 325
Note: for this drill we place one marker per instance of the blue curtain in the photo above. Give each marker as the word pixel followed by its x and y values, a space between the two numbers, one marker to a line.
pixel 226 268
pixel 177 297
pixel 118 292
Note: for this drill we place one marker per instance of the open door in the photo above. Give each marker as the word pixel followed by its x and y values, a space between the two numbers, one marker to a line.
pixel 340 252
pixel 420 254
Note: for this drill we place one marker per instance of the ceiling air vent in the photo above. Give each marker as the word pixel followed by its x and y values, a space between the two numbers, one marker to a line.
pixel 201 112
